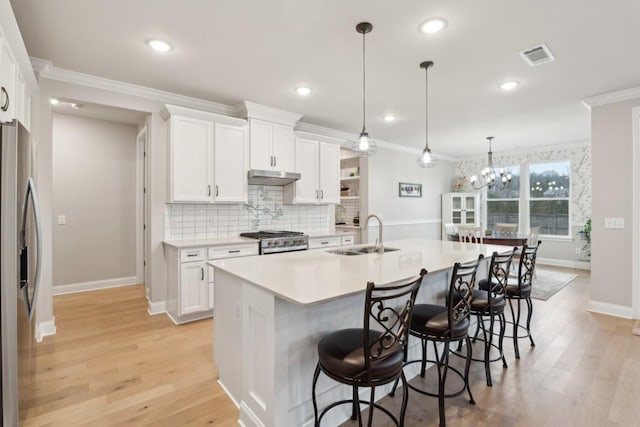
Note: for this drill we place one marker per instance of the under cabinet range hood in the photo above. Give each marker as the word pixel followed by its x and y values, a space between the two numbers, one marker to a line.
pixel 264 177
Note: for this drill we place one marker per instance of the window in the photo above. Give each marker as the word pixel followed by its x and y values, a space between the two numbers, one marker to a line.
pixel 502 202
pixel 549 197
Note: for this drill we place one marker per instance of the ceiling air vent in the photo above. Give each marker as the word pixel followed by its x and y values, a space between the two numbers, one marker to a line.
pixel 537 55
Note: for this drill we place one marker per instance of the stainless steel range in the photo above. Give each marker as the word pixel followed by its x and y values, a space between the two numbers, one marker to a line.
pixel 272 242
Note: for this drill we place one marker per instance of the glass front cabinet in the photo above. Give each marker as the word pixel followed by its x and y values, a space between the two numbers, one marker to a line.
pixel 461 208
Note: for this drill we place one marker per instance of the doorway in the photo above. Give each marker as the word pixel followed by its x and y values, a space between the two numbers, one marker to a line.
pixel 98 196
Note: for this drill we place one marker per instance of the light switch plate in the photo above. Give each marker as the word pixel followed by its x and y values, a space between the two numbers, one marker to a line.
pixel 614 223
pixel 62 220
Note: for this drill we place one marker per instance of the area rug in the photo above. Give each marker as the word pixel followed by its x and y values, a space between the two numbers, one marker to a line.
pixel 546 283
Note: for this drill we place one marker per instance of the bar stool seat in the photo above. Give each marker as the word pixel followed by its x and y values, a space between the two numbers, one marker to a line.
pixel 433 319
pixel 341 353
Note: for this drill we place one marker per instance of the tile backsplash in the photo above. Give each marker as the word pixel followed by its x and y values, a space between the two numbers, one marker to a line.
pixel 264 211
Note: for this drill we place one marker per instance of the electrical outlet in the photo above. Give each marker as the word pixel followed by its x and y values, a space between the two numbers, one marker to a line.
pixel 614 223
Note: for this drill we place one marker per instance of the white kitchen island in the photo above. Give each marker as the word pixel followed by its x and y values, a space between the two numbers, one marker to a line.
pixel 271 311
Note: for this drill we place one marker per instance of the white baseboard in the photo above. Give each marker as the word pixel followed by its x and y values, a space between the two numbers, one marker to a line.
pixel 94 286
pixel 158 307
pixel 626 312
pixel 229 395
pixel 45 329
pixel 582 265
pixel 248 418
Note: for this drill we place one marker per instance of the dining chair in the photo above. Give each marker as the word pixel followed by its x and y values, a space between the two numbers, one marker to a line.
pixel 505 228
pixel 468 234
pixel 449 228
pixel 373 355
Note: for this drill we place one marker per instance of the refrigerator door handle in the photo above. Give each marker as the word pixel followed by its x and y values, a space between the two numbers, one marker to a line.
pixel 30 192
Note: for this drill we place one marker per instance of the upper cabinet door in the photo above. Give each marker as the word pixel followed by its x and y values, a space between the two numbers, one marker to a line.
pixel 307 190
pixel 230 165
pixel 7 81
pixel 191 175
pixel 329 173
pixel 284 148
pixel 261 137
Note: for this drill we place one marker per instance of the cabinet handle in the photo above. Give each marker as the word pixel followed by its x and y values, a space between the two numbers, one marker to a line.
pixel 235 251
pixel 271 161
pixel 208 190
pixel 321 194
pixel 317 195
pixel 275 161
pixel 201 273
pixel 217 192
pixel 192 255
pixel 5 106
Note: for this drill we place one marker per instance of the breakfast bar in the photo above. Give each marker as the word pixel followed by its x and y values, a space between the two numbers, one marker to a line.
pixel 272 310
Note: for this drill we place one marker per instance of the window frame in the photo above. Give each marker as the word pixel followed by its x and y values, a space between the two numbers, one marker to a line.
pixel 529 199
pixel 487 200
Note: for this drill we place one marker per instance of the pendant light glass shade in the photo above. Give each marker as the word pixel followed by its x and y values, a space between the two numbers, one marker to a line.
pixel 364 146
pixel 426 159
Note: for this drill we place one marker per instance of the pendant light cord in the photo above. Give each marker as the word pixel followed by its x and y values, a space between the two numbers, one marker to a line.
pixel 364 79
pixel 426 108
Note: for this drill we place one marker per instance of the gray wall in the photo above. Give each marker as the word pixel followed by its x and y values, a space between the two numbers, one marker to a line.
pixel 406 217
pixel 612 137
pixel 94 167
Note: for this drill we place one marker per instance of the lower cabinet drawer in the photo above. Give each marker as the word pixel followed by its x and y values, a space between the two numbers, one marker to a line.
pixel 348 240
pixel 219 252
pixel 326 242
pixel 189 255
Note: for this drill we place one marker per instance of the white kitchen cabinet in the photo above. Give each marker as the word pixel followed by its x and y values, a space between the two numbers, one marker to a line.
pixel 191 159
pixel 461 208
pixel 208 156
pixel 8 73
pixel 230 164
pixel 23 102
pixel 191 281
pixel 318 163
pixel 272 146
pixel 194 293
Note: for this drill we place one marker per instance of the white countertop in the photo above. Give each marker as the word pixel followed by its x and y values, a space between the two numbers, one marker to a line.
pixel 314 276
pixel 223 241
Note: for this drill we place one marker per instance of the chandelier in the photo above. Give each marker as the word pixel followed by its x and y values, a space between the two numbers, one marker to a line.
pixel 488 176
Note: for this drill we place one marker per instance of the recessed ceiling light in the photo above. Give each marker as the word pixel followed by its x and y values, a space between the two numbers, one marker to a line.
pixel 433 25
pixel 509 85
pixel 54 101
pixel 303 91
pixel 159 45
pixel 389 118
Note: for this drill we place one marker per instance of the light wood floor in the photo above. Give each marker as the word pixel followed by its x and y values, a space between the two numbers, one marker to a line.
pixel 110 363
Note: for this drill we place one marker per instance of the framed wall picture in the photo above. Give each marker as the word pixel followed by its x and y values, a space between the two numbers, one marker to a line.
pixel 406 189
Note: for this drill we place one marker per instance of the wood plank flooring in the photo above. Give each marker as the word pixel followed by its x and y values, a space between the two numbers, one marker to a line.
pixel 111 364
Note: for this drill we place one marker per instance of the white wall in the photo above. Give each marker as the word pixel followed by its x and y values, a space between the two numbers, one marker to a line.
pixel 406 217
pixel 611 263
pixel 94 166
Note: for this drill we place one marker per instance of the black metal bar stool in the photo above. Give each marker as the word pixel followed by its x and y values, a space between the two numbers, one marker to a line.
pixel 373 355
pixel 446 324
pixel 488 303
pixel 521 291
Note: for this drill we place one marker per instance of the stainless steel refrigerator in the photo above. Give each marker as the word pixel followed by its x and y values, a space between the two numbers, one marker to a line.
pixel 20 260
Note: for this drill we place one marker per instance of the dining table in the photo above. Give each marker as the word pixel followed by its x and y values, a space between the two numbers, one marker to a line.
pixel 505 239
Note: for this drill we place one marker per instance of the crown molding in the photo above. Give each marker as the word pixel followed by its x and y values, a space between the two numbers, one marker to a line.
pixel 251 110
pixel 611 97
pixel 45 69
pixel 169 109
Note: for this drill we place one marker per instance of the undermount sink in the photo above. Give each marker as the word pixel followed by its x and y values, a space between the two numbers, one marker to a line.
pixel 360 251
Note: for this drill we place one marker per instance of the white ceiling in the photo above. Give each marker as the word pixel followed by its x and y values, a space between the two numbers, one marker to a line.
pixel 229 50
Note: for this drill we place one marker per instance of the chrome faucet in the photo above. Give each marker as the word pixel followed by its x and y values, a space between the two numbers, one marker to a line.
pixel 379 246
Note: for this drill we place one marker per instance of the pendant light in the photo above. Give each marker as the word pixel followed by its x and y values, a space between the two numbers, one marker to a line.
pixel 426 159
pixel 364 146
